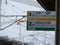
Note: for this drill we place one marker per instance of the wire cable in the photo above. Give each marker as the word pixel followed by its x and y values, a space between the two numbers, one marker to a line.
pixel 11 24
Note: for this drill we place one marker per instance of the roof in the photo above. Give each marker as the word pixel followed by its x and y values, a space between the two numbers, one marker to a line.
pixel 47 4
pixel 29 2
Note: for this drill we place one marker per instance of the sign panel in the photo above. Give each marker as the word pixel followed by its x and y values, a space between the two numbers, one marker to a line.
pixel 41 20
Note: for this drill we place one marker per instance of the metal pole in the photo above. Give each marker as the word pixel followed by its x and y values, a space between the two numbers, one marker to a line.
pixel 19 32
pixel 44 37
pixel 58 24
pixel 0 14
pixel 33 37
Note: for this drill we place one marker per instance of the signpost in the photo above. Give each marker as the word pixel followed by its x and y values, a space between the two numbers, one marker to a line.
pixel 41 20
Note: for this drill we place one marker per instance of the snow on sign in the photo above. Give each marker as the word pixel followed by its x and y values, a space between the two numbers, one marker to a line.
pixel 41 20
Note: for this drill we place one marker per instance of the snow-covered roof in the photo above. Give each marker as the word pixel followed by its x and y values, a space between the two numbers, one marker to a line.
pixel 29 2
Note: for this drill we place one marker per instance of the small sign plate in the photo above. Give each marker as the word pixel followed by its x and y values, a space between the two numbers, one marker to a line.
pixel 41 20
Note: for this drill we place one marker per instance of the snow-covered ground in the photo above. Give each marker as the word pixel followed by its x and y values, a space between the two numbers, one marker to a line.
pixel 19 32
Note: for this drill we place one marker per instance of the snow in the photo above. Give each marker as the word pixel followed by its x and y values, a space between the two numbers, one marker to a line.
pixel 19 32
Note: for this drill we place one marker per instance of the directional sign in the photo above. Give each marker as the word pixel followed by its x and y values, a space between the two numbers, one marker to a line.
pixel 41 20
